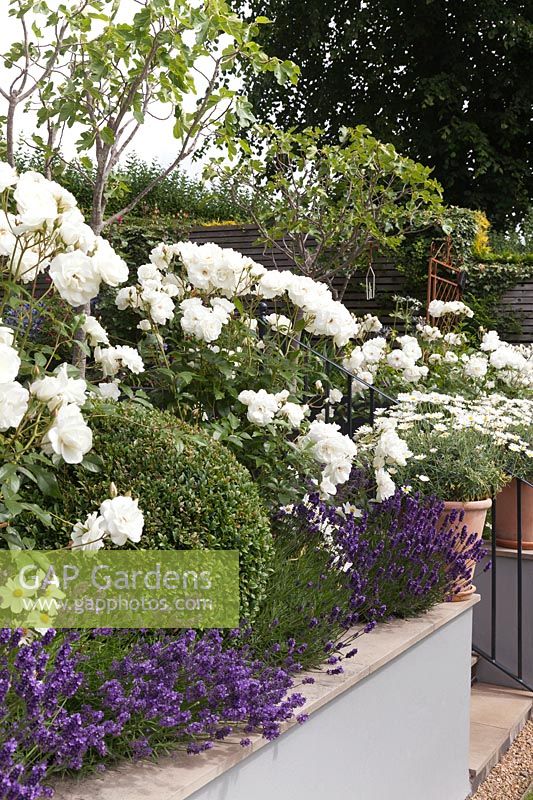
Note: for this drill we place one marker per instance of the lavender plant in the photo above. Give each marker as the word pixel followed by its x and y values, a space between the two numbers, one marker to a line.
pixel 70 702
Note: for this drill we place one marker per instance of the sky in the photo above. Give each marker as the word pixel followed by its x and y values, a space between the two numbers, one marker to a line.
pixel 154 140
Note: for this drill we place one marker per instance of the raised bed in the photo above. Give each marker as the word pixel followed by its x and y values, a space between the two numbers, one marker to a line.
pixel 395 725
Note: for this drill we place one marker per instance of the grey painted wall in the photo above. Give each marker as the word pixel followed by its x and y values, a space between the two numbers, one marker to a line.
pixel 506 619
pixel 400 734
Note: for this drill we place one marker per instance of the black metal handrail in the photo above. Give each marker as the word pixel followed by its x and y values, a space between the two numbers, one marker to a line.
pixel 516 673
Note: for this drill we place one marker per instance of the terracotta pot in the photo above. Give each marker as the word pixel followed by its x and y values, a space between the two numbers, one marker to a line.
pixel 505 516
pixel 475 515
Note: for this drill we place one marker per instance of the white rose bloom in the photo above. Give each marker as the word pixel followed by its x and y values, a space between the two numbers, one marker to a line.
pixel 173 285
pixel 149 272
pixel 391 449
pixel 36 204
pixel 128 297
pixel 278 322
pixel 294 413
pixel 9 363
pixel 8 176
pixel 88 535
pixel 273 284
pixel 65 200
pixel 262 406
pixel 74 231
pixel 454 339
pixel 398 359
pixel 8 239
pixel 385 485
pixel 338 471
pixel 111 268
pixel 161 256
pixel 429 332
pixel 112 359
pixel 413 373
pixel 491 341
pixel 200 321
pixel 144 325
pixel 355 361
pixel 327 487
pixel 410 347
pixel 69 437
pixel 7 335
pixel 13 404
pixel 109 391
pixel 160 306
pixel 374 350
pixel 222 307
pixel 123 519
pixel 370 324
pixel 476 367
pixel 60 390
pixel 307 293
pixel 335 396
pixel 435 358
pixel 26 262
pixel 75 277
pixel 450 358
pixel 94 332
pixel 436 308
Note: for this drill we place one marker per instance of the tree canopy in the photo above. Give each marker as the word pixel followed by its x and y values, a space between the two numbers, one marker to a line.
pixel 448 83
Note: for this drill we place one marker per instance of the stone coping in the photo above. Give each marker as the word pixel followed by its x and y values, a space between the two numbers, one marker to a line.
pixel 177 776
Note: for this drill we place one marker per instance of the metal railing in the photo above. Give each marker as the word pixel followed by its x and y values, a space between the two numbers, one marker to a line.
pixel 514 671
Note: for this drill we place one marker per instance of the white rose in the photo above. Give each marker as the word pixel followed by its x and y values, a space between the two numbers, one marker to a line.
pixel 60 390
pixel 123 519
pixel 128 297
pixel 159 305
pixel 476 367
pixel 149 272
pixel 75 277
pixel 26 262
pixel 109 391
pixel 262 406
pixel 88 535
pixel 335 396
pixel 111 359
pixel 410 347
pixel 7 237
pixel 36 204
pixel 9 363
pixel 69 437
pixel 94 332
pixel 8 176
pixel 74 231
pixel 108 265
pixel 294 413
pixel 436 308
pixel 385 485
pixel 7 335
pixel 398 359
pixel 13 404
pixel 273 284
pixel 373 350
pixel 491 341
pixel 450 358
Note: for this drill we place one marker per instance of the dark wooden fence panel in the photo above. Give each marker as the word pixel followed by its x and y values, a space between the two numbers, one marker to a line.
pixel 518 303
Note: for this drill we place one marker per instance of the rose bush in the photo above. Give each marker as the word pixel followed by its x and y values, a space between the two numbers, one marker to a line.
pixel 42 398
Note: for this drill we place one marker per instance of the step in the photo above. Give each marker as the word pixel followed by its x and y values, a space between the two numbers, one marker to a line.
pixel 497 715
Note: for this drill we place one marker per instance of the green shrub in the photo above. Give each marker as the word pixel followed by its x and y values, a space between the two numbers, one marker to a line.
pixel 193 492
